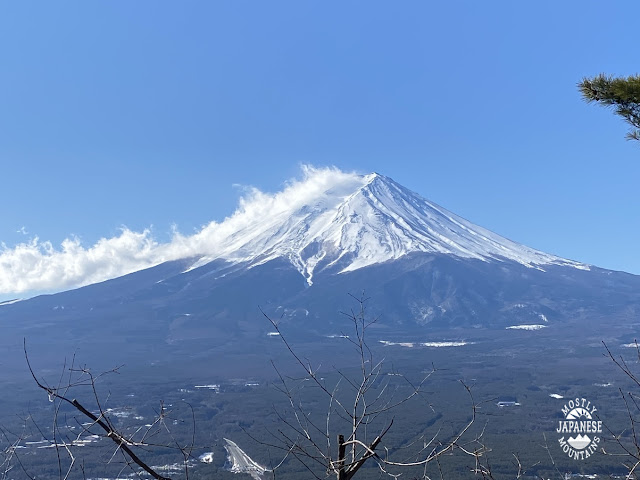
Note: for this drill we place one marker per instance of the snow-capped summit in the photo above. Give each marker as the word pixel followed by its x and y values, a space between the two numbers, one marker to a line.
pixel 360 220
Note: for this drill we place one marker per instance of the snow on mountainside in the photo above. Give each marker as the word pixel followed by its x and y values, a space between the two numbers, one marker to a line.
pixel 365 220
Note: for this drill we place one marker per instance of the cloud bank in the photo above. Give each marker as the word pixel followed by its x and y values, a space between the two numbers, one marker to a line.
pixel 38 265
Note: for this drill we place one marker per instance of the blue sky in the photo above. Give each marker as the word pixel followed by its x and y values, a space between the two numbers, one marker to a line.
pixel 145 114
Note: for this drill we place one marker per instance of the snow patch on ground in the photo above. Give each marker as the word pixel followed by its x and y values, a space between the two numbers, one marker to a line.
pixel 445 344
pixel 387 343
pixel 526 327
pixel 206 457
pixel 425 344
pixel 241 462
pixel 78 442
pixel 120 412
pixel 212 386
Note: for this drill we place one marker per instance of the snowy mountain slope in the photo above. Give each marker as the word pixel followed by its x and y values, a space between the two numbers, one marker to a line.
pixel 364 221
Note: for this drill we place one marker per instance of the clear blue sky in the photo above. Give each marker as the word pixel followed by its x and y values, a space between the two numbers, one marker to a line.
pixel 145 113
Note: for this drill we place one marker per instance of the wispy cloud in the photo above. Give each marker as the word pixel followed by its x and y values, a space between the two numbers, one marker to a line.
pixel 38 265
pixel 22 230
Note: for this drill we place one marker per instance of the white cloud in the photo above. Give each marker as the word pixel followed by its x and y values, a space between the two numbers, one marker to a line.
pixel 39 266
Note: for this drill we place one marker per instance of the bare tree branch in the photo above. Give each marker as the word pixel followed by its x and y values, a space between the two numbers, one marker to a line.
pixel 125 444
pixel 372 399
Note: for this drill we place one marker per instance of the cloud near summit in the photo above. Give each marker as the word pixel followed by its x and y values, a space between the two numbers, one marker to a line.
pixel 38 265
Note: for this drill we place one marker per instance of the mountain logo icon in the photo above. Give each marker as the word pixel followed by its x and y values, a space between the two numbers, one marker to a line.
pixel 580 428
pixel 580 442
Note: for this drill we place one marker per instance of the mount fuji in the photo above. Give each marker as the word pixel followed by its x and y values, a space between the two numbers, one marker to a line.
pixel 431 276
pixel 367 221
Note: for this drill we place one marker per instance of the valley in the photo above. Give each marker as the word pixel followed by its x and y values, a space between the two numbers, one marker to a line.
pixel 524 366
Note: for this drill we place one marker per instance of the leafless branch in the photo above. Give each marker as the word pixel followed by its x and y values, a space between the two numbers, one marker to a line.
pixel 129 446
pixel 373 398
